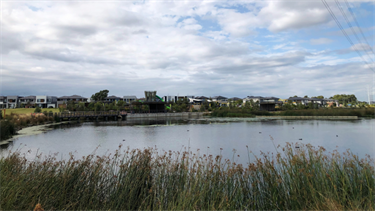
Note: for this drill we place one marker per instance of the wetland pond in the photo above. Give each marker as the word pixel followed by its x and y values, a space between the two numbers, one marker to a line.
pixel 226 136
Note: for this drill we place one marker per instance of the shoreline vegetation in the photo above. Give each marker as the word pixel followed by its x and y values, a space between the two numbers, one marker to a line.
pixel 11 124
pixel 298 177
pixel 239 112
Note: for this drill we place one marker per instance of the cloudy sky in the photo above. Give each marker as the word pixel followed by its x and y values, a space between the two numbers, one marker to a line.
pixel 229 48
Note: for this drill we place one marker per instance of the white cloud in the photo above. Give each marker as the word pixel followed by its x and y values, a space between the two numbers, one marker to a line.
pixel 83 47
pixel 320 41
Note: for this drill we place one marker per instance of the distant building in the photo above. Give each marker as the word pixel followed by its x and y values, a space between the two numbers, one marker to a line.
pixel 3 101
pixel 219 98
pixel 44 101
pixel 75 98
pixel 129 99
pixel 112 98
pixel 28 101
pixel 13 101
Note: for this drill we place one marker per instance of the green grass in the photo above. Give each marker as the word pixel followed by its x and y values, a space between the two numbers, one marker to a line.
pixel 237 112
pixel 13 122
pixel 28 110
pixel 294 179
pixel 360 112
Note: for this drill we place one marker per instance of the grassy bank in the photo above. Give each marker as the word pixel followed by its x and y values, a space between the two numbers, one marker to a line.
pixel 360 112
pixel 13 122
pixel 27 110
pixel 237 112
pixel 295 179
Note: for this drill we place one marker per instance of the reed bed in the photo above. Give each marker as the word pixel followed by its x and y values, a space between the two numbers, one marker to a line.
pixel 360 112
pixel 293 179
pixel 237 112
pixel 13 122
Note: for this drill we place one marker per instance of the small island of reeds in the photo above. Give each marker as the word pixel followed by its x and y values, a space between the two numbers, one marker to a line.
pixel 297 178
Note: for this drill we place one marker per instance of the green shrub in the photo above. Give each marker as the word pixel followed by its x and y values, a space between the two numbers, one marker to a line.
pixel 37 110
pixel 7 129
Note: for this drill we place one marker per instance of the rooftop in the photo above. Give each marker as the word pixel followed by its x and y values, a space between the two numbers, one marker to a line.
pixel 72 97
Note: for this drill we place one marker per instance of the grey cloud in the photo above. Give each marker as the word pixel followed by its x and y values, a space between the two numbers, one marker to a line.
pixel 141 31
pixel 68 31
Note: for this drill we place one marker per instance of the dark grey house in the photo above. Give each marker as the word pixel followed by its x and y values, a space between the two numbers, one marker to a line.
pixel 13 101
pixel 3 101
pixel 28 101
pixel 112 98
pixel 75 98
pixel 219 98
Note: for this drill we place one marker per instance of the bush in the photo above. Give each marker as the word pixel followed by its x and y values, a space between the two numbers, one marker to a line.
pixel 7 129
pixel 37 109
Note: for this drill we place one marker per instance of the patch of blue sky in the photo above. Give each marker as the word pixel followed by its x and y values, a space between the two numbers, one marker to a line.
pixel 237 7
pixel 208 24
pixel 35 9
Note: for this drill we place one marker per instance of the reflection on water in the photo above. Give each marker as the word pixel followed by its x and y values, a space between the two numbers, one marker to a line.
pixel 206 134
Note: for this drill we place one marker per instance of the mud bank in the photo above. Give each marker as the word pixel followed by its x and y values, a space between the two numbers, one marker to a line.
pixel 32 130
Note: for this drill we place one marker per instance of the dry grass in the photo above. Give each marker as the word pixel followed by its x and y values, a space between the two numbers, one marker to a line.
pixel 294 179
pixel 11 123
pixel 27 111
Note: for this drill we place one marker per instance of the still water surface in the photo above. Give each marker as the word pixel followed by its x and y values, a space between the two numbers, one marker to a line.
pixel 207 135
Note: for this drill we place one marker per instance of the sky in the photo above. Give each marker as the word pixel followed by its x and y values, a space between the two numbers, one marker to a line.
pixel 229 48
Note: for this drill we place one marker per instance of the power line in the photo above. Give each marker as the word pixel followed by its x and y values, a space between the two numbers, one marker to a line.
pixel 343 31
pixel 350 26
pixel 356 22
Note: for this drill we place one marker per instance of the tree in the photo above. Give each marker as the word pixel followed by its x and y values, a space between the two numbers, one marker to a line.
pixel 99 96
pixel 71 106
pixel 81 106
pixel 37 110
pixel 120 104
pixel 98 106
pixel 345 99
pixel 306 96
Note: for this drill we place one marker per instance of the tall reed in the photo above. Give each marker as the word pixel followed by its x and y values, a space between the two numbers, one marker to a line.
pixel 13 122
pixel 294 179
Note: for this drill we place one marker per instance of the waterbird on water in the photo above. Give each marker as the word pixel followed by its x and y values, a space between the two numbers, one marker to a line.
pixel 337 135
pixel 123 140
pixel 300 139
pixel 260 132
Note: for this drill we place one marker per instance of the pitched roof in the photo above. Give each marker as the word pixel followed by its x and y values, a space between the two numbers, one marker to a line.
pixel 217 97
pixel 202 97
pixel 254 96
pixel 72 97
pixel 29 97
pixel 235 98
pixel 113 97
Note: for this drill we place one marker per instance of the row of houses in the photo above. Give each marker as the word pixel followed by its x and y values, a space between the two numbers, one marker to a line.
pixel 265 103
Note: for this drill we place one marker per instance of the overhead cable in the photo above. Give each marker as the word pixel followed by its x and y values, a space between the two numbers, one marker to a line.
pixel 344 32
pixel 351 27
